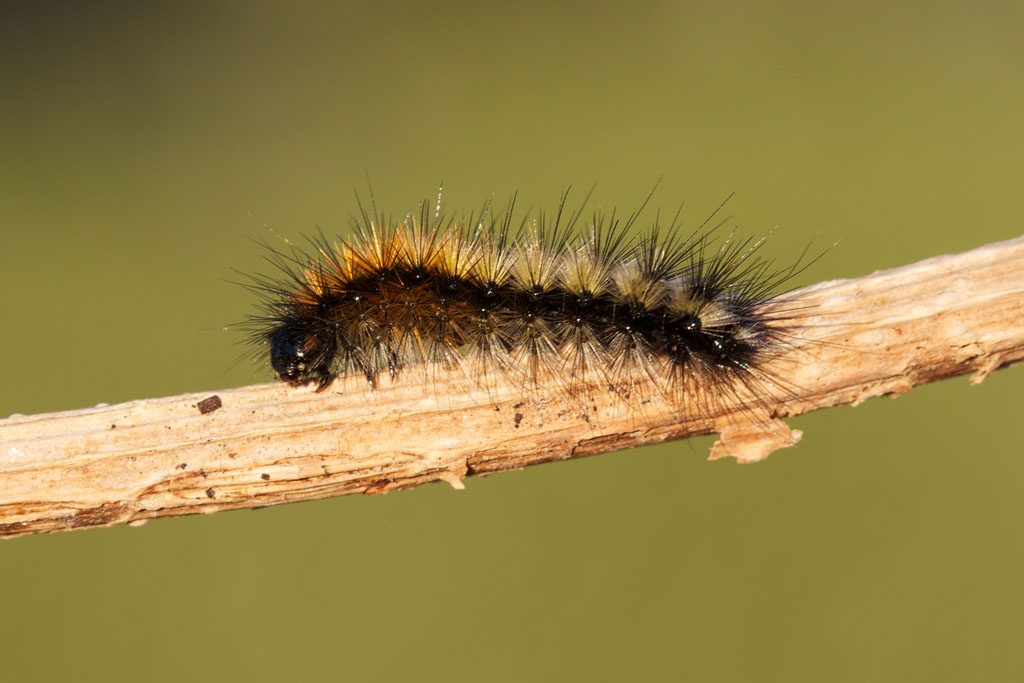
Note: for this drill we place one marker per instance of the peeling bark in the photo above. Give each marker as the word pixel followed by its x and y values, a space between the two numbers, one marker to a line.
pixel 877 335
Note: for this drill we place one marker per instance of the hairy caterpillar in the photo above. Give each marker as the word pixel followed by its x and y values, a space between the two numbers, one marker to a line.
pixel 583 301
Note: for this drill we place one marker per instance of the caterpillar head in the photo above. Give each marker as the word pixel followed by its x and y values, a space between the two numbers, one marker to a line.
pixel 299 357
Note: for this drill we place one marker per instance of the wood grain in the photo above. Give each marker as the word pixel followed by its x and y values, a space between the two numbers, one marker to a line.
pixel 881 334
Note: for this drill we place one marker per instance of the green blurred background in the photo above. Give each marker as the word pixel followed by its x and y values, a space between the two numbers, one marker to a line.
pixel 142 148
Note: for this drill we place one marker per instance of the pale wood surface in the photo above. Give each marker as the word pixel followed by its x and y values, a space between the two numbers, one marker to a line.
pixel 880 334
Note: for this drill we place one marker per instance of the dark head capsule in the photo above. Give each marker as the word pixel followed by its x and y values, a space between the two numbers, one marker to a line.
pixel 299 358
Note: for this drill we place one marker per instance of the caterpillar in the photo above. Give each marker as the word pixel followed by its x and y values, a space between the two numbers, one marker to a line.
pixel 587 302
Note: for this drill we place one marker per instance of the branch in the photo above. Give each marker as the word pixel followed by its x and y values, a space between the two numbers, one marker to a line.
pixel 263 445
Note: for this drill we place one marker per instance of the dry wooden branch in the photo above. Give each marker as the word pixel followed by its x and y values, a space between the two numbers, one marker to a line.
pixel 882 334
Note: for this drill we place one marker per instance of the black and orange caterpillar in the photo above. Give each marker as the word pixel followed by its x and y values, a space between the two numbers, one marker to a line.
pixel 586 303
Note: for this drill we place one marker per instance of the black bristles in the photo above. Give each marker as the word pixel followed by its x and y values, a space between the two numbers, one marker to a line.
pixel 590 303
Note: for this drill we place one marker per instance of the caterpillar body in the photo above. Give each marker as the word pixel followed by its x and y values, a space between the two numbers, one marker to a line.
pixel 582 301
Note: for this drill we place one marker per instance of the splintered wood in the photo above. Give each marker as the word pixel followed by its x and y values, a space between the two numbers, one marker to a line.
pixel 877 335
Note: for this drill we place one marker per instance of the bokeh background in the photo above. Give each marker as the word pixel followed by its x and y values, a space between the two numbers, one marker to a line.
pixel 144 145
